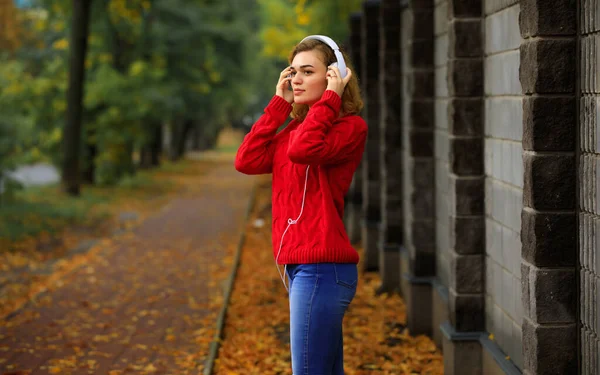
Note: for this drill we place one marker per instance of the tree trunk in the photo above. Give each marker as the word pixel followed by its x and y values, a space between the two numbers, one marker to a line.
pixel 180 133
pixel 72 130
pixel 157 145
pixel 89 167
pixel 150 154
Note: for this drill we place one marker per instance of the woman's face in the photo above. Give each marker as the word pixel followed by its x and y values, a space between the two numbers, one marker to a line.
pixel 308 82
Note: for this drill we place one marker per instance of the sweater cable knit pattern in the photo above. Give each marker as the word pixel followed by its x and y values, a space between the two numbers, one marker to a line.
pixel 332 146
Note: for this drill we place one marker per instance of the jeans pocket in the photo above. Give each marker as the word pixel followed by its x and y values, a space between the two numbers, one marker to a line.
pixel 346 274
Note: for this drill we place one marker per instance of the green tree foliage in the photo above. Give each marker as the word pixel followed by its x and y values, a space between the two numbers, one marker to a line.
pixel 285 22
pixel 189 65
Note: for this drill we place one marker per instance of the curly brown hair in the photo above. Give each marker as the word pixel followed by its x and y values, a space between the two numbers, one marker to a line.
pixel 352 102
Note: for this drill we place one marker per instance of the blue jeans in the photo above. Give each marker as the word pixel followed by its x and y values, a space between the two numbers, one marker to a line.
pixel 319 296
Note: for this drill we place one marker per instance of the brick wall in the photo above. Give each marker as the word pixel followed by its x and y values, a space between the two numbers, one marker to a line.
pixel 504 175
pixel 371 173
pixel 589 216
pixel 441 142
pixel 418 161
pixel 548 56
pixel 353 213
pixel 390 146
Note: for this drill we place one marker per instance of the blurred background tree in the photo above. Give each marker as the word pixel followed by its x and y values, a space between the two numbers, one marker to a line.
pixel 161 76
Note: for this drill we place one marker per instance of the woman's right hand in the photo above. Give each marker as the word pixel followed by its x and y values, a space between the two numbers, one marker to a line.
pixel 285 79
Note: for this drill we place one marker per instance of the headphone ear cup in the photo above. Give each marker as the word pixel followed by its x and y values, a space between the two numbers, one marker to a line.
pixel 341 64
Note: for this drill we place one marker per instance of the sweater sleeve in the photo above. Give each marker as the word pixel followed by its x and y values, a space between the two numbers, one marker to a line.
pixel 318 141
pixel 255 154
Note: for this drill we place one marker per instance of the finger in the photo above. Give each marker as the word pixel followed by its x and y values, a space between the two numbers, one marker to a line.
pixel 348 76
pixel 286 71
pixel 285 81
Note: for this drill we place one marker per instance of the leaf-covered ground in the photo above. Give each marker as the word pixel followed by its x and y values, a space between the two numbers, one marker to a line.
pixel 30 262
pixel 143 302
pixel 256 335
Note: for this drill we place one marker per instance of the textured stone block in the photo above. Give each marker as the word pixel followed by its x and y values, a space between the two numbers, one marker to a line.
pixel 465 117
pixel 423 175
pixel 389 269
pixel 466 273
pixel 549 123
pixel 354 217
pixel 462 357
pixel 422 52
pixel 466 156
pixel 465 38
pixel 423 84
pixel 422 204
pixel 422 114
pixel 525 295
pixel 548 17
pixel 467 234
pixel 549 181
pixel 394 234
pixel 440 313
pixel 551 294
pixel 464 8
pixel 465 77
pixel 549 350
pixel 421 143
pixel 467 312
pixel 422 4
pixel 467 196
pixel 549 240
pixel 423 263
pixel 370 237
pixel 418 315
pixel 548 66
pixel 371 10
pixel 423 23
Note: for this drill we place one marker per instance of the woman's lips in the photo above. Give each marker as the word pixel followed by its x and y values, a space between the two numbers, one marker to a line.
pixel 298 91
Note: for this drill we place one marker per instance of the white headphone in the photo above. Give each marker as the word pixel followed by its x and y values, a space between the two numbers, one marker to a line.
pixel 341 63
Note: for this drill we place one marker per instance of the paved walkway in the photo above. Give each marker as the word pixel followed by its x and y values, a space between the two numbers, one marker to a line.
pixel 148 302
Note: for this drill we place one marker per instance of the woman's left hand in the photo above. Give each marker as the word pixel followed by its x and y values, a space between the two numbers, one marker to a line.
pixel 335 81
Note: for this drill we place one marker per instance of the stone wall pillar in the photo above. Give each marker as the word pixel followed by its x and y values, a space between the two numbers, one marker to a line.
pixel 589 207
pixel 418 164
pixel 466 189
pixel 549 222
pixel 370 168
pixel 354 213
pixel 390 234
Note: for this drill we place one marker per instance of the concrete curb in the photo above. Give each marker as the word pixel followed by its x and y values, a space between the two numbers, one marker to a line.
pixel 215 344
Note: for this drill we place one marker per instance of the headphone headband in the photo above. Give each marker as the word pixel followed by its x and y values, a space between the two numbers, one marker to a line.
pixel 341 64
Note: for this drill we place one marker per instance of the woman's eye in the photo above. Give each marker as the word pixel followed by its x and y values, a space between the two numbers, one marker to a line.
pixel 307 72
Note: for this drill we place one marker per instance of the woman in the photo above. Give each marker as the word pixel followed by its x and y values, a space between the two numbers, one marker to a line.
pixel 312 161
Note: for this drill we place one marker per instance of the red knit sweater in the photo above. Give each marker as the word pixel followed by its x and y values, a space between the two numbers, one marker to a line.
pixel 333 148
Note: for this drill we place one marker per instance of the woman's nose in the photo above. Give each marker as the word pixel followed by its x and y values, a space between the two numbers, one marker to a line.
pixel 296 79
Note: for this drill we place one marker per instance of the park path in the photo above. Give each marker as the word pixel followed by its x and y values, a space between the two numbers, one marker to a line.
pixel 147 302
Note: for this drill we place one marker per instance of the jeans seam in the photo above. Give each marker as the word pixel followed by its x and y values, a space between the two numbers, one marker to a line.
pixel 341 282
pixel 306 333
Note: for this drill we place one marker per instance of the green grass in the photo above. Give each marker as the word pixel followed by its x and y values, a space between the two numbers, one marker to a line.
pixel 47 209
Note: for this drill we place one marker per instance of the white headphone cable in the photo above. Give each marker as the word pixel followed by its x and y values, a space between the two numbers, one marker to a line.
pixel 290 222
